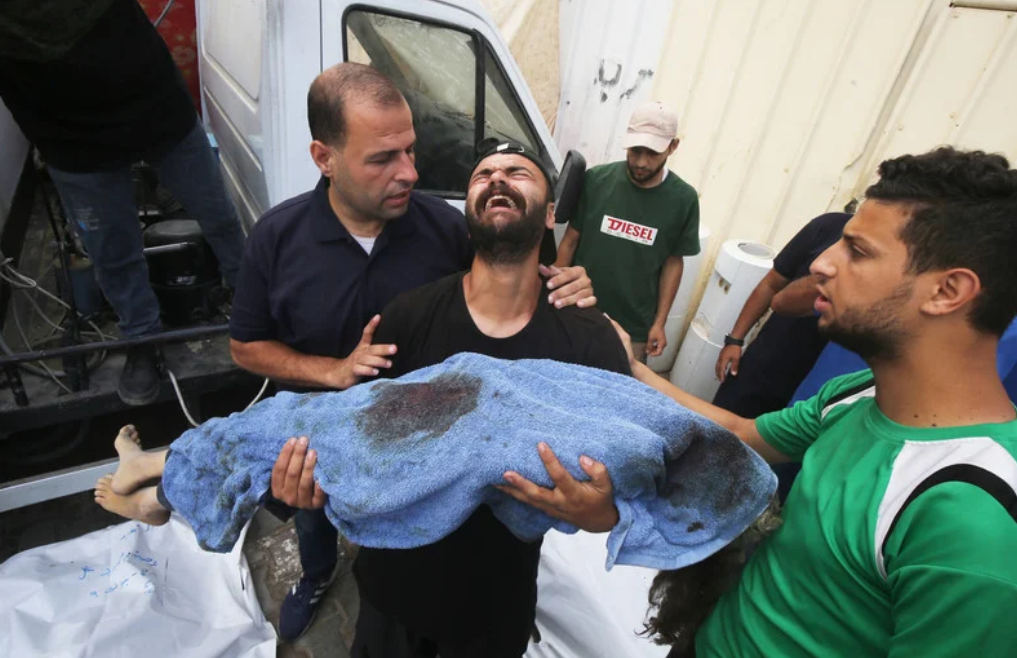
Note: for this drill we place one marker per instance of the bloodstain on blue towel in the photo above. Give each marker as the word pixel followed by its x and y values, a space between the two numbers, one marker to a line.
pixel 703 456
pixel 399 411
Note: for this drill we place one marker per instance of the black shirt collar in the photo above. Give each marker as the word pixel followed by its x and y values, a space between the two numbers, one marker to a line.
pixel 328 228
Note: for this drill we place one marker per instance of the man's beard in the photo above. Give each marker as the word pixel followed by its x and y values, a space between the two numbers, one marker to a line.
pixel 647 177
pixel 875 333
pixel 510 243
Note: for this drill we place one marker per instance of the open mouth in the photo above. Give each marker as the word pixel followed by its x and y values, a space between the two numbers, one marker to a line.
pixel 821 304
pixel 500 201
pixel 501 197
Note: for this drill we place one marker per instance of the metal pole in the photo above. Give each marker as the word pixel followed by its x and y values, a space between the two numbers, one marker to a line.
pixel 179 335
pixel 81 379
pixel 17 386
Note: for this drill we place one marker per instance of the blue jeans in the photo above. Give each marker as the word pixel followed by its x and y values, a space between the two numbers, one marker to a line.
pixel 317 540
pixel 101 207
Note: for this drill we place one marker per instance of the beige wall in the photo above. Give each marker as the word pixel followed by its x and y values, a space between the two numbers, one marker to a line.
pixel 530 27
pixel 788 106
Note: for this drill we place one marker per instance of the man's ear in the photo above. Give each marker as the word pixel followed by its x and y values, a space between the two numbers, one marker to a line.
pixel 952 291
pixel 549 218
pixel 673 146
pixel 322 156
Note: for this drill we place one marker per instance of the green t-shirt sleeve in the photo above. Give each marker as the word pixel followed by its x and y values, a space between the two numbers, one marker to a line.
pixel 952 573
pixel 792 430
pixel 687 243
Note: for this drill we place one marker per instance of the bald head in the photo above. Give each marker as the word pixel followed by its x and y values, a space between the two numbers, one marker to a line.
pixel 339 86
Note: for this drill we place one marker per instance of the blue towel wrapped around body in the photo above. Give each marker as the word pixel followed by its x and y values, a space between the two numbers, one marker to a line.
pixel 406 461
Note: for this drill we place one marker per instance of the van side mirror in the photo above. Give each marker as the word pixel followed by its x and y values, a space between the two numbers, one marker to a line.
pixel 569 187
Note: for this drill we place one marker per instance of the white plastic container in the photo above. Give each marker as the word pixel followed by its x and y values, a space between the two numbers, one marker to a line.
pixel 739 267
pixel 680 306
pixel 694 367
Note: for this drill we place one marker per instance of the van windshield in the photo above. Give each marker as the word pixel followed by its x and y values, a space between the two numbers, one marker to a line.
pixel 435 67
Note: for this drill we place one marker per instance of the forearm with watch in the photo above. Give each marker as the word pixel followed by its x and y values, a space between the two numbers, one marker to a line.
pixel 753 309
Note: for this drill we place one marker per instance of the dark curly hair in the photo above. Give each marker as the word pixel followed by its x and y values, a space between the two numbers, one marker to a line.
pixel 963 214
pixel 684 598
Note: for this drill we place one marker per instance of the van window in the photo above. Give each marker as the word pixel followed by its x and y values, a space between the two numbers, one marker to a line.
pixel 435 67
pixel 503 116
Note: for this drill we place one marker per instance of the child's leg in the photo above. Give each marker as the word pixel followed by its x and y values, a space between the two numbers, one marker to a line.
pixel 136 465
pixel 142 505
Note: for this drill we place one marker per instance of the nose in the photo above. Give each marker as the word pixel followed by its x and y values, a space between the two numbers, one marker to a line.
pixel 498 177
pixel 407 170
pixel 823 265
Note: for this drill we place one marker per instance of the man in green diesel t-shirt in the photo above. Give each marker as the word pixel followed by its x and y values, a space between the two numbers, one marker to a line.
pixel 900 535
pixel 635 222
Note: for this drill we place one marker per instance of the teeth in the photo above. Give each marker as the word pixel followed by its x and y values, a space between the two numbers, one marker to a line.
pixel 500 197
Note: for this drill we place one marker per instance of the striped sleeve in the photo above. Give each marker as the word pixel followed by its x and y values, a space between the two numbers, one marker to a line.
pixel 953 576
pixel 792 430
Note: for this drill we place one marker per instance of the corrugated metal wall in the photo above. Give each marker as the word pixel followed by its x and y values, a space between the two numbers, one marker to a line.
pixel 788 106
pixel 610 52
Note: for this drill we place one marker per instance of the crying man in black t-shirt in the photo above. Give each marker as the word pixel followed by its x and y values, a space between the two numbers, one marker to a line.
pixel 474 593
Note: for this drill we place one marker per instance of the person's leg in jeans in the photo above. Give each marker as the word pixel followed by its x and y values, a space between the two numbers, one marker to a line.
pixel 317 540
pixel 100 206
pixel 190 171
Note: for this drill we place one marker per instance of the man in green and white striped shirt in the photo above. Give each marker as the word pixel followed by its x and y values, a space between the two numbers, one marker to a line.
pixel 900 535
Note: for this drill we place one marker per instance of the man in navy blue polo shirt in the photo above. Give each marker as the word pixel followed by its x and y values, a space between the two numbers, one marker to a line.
pixel 765 377
pixel 318 268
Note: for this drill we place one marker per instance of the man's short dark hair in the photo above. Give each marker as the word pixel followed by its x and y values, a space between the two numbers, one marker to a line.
pixel 963 214
pixel 334 88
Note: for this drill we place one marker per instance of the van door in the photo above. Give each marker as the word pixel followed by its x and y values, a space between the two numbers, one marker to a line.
pixel 231 56
pixel 456 73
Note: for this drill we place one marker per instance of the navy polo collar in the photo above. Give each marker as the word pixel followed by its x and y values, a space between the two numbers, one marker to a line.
pixel 326 226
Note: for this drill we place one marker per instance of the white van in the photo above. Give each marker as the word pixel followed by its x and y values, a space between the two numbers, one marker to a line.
pixel 258 58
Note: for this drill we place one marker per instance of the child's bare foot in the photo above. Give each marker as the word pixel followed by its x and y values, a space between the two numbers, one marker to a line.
pixel 142 505
pixel 127 441
pixel 136 466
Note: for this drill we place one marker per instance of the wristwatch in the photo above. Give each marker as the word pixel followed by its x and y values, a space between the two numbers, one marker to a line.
pixel 731 340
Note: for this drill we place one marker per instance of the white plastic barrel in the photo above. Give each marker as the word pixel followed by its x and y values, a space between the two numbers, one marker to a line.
pixel 739 267
pixel 680 306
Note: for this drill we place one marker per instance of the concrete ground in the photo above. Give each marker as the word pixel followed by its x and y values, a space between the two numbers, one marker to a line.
pixel 271 550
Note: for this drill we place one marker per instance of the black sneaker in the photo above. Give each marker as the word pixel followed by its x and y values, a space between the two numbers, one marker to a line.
pixel 139 380
pixel 301 605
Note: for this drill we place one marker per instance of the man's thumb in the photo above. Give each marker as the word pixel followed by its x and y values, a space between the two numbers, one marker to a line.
pixel 596 470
